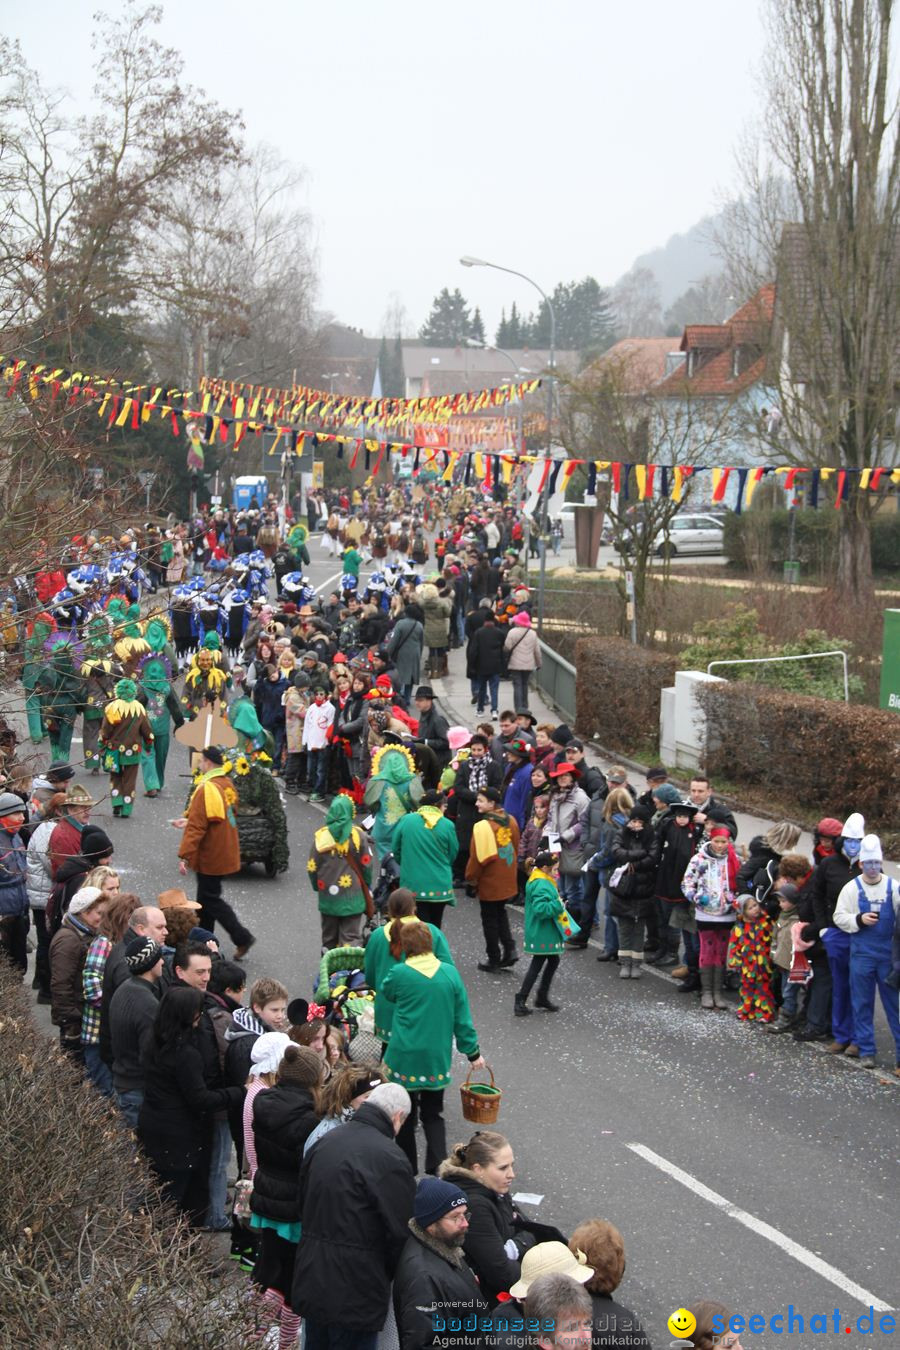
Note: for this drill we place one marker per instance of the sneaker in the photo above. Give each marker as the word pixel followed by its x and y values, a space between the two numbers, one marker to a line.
pixel 670 959
pixel 316 797
pixel 867 1061
pixel 809 1034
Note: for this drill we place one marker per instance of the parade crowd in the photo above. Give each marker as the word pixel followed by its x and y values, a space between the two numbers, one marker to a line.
pixel 212 633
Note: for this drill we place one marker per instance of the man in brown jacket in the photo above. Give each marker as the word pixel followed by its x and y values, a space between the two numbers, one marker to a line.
pixel 68 951
pixel 493 870
pixel 211 848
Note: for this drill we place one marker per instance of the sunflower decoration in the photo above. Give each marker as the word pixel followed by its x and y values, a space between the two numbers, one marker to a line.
pixel 242 766
pixel 312 865
pixel 504 836
pixel 345 881
pixel 387 753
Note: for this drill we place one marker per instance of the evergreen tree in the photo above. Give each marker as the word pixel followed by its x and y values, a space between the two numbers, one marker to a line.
pixel 476 328
pixel 501 338
pixel 390 367
pixel 515 337
pixel 449 323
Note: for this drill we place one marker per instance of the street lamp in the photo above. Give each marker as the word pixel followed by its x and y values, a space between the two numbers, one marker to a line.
pixel 520 370
pixel 468 261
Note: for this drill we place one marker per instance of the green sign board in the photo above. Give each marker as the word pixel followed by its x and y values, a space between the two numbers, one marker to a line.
pixel 890 661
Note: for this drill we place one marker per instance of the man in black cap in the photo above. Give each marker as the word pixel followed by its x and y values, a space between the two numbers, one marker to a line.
pixel 525 725
pixel 432 1283
pixel 433 726
pixel 592 780
pixel 132 1012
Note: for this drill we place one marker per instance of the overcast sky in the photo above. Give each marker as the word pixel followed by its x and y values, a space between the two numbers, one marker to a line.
pixel 561 139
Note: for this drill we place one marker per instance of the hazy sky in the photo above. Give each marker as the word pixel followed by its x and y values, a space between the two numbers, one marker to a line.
pixel 561 139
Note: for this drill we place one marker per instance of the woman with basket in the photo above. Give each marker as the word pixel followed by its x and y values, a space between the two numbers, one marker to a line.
pixel 383 952
pixel 431 1009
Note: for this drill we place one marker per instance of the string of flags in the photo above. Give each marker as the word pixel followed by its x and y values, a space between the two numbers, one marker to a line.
pixel 129 405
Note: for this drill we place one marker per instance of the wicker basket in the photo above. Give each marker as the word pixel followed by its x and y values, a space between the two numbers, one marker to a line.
pixel 481 1101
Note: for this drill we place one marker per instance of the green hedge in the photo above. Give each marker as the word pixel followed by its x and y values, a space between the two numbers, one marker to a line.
pixel 617 692
pixel 831 758
pixel 761 538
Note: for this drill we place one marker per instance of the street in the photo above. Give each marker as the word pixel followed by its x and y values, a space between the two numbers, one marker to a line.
pixel 738 1166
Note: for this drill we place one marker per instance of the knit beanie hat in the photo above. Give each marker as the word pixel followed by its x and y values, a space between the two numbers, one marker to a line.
pixel 642 813
pixel 300 1065
pixel 561 735
pixel 84 899
pixel 434 1199
pixel 665 792
pixel 95 843
pixel 142 954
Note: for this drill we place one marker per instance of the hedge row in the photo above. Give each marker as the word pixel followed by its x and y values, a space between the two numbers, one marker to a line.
pixel 763 536
pixel 826 756
pixel 617 692
pixel 88 1255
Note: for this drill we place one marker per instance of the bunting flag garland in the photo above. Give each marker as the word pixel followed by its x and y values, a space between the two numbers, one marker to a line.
pixel 435 434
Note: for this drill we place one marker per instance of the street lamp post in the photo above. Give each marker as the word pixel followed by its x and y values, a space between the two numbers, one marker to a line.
pixel 520 370
pixel 469 261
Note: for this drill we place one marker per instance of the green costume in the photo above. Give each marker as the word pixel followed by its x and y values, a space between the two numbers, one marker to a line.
pixel 37 634
pixel 296 542
pixel 124 734
pixel 352 562
pixel 340 854
pixel 431 1008
pixel 97 669
pixel 543 936
pixel 258 795
pixel 156 693
pixel 380 961
pixel 252 735
pixel 424 845
pixel 61 692
pixel 393 789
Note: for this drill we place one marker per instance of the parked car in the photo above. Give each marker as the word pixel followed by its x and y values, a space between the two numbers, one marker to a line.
pixel 694 532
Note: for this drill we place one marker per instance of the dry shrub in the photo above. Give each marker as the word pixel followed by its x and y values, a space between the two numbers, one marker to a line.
pixel 618 690
pixel 89 1255
pixel 813 751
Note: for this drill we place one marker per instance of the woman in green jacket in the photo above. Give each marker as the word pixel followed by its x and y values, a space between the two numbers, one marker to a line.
pixel 431 1009
pixel 425 844
pixel 383 953
pixel 544 939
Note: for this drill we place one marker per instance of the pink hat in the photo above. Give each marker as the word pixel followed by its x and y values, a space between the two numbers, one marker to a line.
pixel 457 737
pixel 523 619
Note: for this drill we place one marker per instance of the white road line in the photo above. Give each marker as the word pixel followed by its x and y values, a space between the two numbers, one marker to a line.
pixel 801 1254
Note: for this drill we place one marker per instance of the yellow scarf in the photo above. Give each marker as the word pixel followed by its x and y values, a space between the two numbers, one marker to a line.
pixel 431 815
pixel 119 710
pixel 213 801
pixel 427 964
pixel 325 841
pixel 485 841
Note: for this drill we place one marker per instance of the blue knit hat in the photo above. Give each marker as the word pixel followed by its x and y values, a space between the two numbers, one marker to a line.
pixel 434 1199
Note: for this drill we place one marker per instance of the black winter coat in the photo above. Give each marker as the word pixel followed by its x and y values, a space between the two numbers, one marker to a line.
pixel 637 850
pixel 283 1119
pixel 175 1124
pixel 432 1281
pixel 675 847
pixel 757 874
pixel 819 897
pixel 466 814
pixel 493 1220
pixel 356 1199
pixel 487 651
pixel 115 972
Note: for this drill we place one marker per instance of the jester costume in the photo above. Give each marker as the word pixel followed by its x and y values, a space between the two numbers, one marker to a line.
pixel 97 670
pixel 204 682
pixel 340 870
pixel 124 734
pixel 130 643
pixel 61 692
pixel 393 788
pixel 37 634
pixel 154 690
pixel 749 951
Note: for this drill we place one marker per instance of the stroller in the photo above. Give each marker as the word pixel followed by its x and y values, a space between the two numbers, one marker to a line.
pixel 342 986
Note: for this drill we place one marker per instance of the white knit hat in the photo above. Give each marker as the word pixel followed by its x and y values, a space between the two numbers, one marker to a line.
pixel 268 1052
pixel 84 899
pixel 870 849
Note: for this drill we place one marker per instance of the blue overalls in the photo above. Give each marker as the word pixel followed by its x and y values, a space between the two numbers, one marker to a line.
pixel 870 965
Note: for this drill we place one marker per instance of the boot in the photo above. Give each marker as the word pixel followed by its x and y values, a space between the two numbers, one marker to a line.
pixel 635 971
pixel 691 984
pixel 706 984
pixel 509 958
pixel 521 1008
pixel 543 1001
pixel 718 973
pixel 624 967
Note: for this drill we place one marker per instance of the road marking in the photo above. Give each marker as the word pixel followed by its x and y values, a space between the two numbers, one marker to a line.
pixel 758 1226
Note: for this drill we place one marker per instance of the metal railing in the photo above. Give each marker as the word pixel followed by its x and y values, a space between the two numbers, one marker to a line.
pixel 765 660
pixel 556 681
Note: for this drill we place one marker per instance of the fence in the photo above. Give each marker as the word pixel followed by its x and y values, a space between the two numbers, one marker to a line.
pixel 556 681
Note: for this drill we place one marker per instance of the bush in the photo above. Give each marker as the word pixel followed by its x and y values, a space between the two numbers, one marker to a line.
pixel 811 751
pixel 886 541
pixel 89 1255
pixel 760 539
pixel 617 692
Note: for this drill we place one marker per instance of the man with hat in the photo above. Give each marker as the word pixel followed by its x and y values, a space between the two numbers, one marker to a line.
pixel 868 908
pixel 210 847
pixel 65 841
pixel 525 725
pixel 132 1012
pixel 13 889
pixel 432 1283
pixel 517 783
pixel 124 736
pixel 655 776
pixel 433 726
pixel 567 805
pixel 591 780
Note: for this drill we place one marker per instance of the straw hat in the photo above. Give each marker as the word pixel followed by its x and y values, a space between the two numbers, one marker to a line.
pixel 78 796
pixel 175 898
pixel 550 1258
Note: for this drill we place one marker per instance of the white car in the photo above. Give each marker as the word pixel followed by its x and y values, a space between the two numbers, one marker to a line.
pixel 692 534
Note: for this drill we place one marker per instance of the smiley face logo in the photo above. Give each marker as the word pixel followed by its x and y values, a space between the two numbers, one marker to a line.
pixel 682 1323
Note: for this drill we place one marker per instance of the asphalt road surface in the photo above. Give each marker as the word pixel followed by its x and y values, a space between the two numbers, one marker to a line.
pixel 736 1168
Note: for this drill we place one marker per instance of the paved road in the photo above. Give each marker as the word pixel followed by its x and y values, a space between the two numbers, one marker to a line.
pixel 735 1167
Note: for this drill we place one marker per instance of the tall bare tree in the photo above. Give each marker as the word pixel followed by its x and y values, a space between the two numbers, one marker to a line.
pixel 821 211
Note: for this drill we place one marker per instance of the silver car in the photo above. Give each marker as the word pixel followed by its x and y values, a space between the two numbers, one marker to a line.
pixel 692 534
